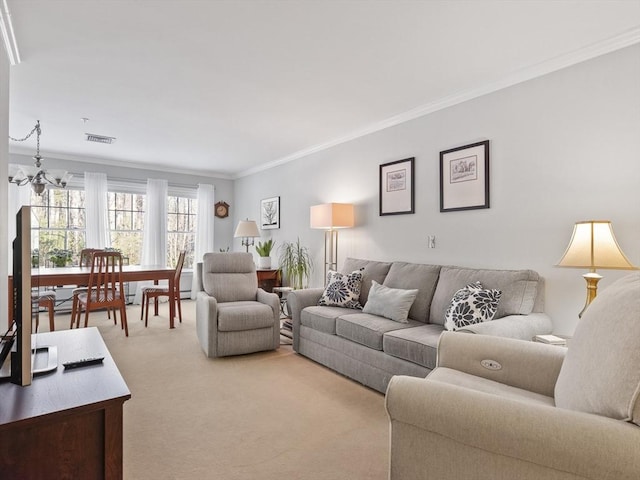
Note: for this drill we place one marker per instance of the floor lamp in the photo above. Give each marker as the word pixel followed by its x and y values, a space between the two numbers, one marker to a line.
pixel 247 230
pixel 331 217
pixel 592 246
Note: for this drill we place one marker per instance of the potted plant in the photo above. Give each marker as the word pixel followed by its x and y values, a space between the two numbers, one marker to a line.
pixel 60 257
pixel 264 250
pixel 296 263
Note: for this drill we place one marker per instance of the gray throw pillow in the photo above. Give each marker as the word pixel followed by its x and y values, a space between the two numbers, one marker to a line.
pixel 391 303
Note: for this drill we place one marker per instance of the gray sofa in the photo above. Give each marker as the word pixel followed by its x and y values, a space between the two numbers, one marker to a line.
pixel 371 349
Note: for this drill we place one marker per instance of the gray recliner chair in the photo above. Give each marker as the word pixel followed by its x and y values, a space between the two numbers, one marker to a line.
pixel 233 315
pixel 498 408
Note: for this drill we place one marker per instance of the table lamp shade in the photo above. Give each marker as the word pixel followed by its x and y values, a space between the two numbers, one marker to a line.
pixel 329 216
pixel 592 246
pixel 247 229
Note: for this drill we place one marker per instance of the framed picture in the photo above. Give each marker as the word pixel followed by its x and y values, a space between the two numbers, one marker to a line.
pixel 464 177
pixel 270 213
pixel 396 187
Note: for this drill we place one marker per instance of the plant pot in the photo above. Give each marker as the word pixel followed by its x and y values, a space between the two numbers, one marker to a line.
pixel 264 263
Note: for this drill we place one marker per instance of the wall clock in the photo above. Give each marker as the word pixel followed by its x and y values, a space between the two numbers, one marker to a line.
pixel 222 210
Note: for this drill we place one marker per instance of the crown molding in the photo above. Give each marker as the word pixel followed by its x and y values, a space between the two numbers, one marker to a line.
pixel 117 163
pixel 625 39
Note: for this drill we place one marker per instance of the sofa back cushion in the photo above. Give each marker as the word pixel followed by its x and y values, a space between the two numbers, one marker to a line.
pixel 414 275
pixel 372 271
pixel 519 289
pixel 229 277
pixel 601 371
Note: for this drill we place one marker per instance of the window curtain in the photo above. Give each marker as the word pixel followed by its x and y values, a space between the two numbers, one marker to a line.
pixel 204 230
pixel 96 210
pixel 154 235
pixel 18 196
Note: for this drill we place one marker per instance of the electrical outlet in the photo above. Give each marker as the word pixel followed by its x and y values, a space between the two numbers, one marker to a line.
pixel 431 241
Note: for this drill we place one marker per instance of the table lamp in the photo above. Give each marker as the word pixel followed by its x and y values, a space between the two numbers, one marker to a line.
pixel 592 246
pixel 331 217
pixel 248 231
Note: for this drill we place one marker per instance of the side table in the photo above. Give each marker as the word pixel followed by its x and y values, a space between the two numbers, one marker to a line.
pixel 287 327
pixel 269 278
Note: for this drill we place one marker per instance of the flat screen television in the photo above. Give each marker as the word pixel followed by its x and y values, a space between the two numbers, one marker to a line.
pixel 17 344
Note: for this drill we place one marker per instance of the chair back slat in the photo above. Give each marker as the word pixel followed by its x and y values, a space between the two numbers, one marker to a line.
pixel 179 265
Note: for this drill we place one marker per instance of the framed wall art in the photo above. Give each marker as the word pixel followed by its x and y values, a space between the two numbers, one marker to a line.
pixel 464 177
pixel 397 187
pixel 270 213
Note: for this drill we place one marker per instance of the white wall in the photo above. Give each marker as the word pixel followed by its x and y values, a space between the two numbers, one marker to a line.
pixel 223 187
pixel 564 147
pixel 4 190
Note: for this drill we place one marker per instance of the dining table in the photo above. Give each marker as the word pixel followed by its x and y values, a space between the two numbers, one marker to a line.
pixel 60 276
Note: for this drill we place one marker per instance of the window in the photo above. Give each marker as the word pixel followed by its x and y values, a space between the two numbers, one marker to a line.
pixel 126 220
pixel 61 218
pixel 181 227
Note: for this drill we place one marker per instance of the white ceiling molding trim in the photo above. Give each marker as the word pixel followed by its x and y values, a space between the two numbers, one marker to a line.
pixel 626 39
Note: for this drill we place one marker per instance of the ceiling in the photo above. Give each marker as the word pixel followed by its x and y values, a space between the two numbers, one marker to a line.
pixel 231 87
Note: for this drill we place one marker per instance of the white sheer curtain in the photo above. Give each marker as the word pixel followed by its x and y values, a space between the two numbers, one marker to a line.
pixel 154 236
pixel 96 212
pixel 204 230
pixel 18 196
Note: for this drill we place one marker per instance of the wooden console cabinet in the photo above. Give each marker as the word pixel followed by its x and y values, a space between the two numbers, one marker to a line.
pixel 267 279
pixel 68 423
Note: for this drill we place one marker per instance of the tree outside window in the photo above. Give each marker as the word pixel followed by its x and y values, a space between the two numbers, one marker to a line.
pixel 181 227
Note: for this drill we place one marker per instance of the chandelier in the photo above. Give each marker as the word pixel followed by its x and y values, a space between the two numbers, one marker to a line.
pixel 36 176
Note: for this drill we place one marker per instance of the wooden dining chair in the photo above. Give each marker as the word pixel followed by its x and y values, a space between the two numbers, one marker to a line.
pixel 157 291
pixel 86 259
pixel 105 289
pixel 46 300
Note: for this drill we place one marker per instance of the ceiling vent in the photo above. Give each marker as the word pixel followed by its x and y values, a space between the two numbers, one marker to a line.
pixel 91 137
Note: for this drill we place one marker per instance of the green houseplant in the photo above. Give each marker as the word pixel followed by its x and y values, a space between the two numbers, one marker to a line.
pixel 60 257
pixel 296 263
pixel 264 250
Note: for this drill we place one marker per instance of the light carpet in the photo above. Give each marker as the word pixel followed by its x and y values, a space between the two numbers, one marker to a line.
pixel 268 415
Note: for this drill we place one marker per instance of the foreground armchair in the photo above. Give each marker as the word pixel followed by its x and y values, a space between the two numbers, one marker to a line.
pixel 233 315
pixel 498 408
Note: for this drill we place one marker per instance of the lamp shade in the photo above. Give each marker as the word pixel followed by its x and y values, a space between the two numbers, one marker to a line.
pixel 592 246
pixel 332 215
pixel 247 228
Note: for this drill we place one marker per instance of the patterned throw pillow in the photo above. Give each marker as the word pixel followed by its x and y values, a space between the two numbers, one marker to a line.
pixel 342 290
pixel 471 304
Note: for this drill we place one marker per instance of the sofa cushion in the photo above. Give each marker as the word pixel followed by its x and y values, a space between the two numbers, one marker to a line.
pixel 519 289
pixel 372 271
pixel 368 329
pixel 391 303
pixel 342 290
pixel 470 305
pixel 418 345
pixel 322 319
pixel 601 371
pixel 415 275
pixel 236 316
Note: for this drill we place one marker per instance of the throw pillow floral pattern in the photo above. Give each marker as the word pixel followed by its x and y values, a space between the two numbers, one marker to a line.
pixel 470 305
pixel 342 290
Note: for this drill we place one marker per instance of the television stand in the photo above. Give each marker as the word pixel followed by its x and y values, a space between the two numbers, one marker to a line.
pixel 78 410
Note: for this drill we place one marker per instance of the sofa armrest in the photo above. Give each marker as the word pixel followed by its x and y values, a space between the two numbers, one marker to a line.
pixel 426 413
pixel 528 365
pixel 207 323
pixel 524 327
pixel 297 301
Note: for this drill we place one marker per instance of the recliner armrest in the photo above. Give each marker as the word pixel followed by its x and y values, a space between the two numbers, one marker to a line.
pixel 528 365
pixel 270 299
pixel 564 440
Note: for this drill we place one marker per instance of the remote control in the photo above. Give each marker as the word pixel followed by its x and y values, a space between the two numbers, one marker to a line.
pixel 83 362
